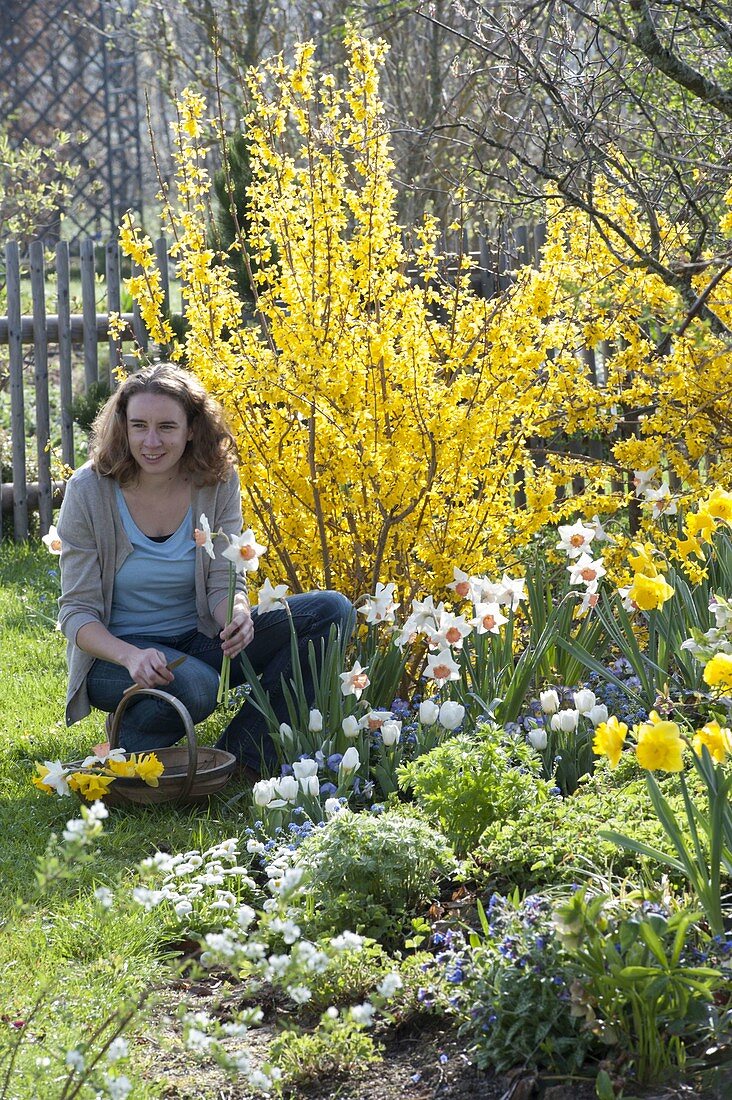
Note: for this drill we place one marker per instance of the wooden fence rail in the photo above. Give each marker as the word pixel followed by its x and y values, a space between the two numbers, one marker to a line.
pixel 54 342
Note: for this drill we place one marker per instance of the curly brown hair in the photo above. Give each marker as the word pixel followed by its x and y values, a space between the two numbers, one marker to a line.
pixel 210 454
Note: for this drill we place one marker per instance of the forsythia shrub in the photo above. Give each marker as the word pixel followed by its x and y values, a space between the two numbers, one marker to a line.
pixel 383 422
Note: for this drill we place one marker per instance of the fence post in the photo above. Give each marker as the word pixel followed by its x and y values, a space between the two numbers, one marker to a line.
pixel 17 401
pixel 63 305
pixel 114 300
pixel 40 356
pixel 89 312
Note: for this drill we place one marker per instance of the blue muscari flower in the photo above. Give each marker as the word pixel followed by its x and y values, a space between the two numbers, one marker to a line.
pixel 438 938
pixel 556 791
pixel 287 769
pixel 443 1059
pixel 455 976
pixel 298 810
pixel 378 808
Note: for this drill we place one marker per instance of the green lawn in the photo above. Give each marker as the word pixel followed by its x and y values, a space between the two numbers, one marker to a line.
pixel 57 945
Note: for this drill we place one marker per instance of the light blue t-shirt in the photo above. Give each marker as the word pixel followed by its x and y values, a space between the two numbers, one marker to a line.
pixel 155 588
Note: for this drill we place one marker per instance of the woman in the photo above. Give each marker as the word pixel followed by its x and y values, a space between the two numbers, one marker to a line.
pixel 137 594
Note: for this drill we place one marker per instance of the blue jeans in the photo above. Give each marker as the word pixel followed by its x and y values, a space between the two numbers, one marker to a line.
pixel 150 723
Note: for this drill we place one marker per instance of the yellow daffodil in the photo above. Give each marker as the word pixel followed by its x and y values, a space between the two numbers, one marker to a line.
pixel 90 785
pixel 718 671
pixel 716 738
pixel 124 768
pixel 609 738
pixel 659 745
pixel 649 592
pixel 641 561
pixel 700 523
pixel 690 545
pixel 719 505
pixel 149 769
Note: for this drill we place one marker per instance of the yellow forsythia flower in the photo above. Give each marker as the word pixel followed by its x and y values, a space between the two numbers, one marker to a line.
pixel 718 671
pixel 718 740
pixel 609 738
pixel 648 593
pixel 90 785
pixel 659 745
pixel 149 769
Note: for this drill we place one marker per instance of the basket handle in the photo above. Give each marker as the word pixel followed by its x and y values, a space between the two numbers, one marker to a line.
pixel 184 715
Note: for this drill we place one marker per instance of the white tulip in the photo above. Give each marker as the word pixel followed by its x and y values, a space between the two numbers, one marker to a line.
pixel 390 732
pixel 315 724
pixel 349 725
pixel 549 701
pixel 287 787
pixel 351 761
pixel 303 768
pixel 565 720
pixel 263 792
pixel 599 713
pixel 451 714
pixel 584 700
pixel 428 712
pixel 537 737
pixel 310 785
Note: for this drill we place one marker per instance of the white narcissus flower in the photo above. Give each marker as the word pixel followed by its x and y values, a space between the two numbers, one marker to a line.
pixel 390 733
pixel 451 714
pixel 575 538
pixel 461 583
pixel 428 712
pixel 511 591
pixel 350 726
pixel 441 667
pixel 55 777
pixel 662 501
pixel 244 551
pixel 351 761
pixel 52 541
pixel 375 719
pixel 451 629
pixel 355 681
pixel 601 534
pixel 565 720
pixel 202 536
pixel 642 480
pixel 271 598
pixel 488 618
pixel 597 714
pixel 584 700
pixel 590 599
pixel 586 571
pixel 549 701
pixel 537 737
pixel 315 721
pixel 425 615
pixel 380 607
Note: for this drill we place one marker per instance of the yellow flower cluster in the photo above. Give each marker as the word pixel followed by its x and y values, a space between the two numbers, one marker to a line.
pixel 386 422
pixel 659 743
pixel 94 780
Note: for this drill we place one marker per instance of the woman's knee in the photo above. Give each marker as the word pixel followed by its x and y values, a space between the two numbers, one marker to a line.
pixel 337 610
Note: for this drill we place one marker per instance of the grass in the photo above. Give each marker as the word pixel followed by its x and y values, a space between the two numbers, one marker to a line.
pixel 57 946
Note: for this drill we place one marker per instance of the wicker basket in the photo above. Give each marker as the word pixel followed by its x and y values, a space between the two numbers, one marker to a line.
pixel 192 772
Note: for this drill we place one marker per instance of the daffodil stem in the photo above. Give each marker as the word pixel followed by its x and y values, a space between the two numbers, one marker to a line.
pixel 223 692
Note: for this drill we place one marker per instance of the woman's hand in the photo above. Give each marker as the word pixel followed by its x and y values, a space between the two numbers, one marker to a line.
pixel 238 633
pixel 148 668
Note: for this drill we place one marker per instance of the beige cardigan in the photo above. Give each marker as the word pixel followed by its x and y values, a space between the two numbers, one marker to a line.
pixel 94 545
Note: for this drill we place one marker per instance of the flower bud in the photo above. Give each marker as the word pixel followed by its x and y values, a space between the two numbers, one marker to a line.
pixel 584 700
pixel 315 723
pixel 349 725
pixel 428 712
pixel 350 762
pixel 598 714
pixel 451 714
pixel 549 701
pixel 390 732
pixel 537 738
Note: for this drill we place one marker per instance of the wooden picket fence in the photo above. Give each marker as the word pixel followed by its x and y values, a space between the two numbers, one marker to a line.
pixel 46 350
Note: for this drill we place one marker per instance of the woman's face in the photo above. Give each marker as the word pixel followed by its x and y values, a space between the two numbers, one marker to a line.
pixel 157 433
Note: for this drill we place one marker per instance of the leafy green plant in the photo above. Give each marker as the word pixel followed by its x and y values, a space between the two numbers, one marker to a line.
pixel 370 872
pixel 468 783
pixel 633 985
pixel 335 1048
pixel 513 990
pixel 563 840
